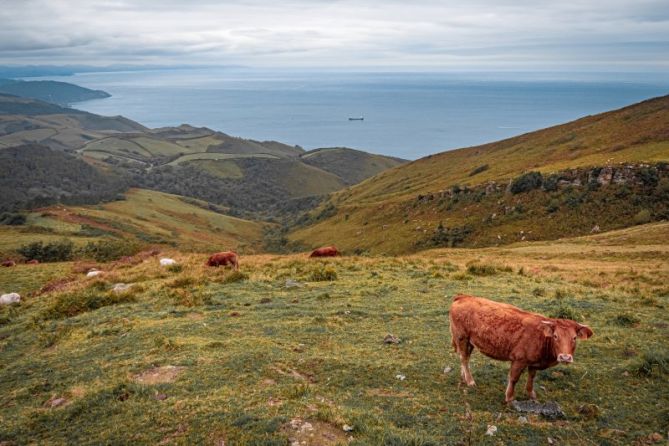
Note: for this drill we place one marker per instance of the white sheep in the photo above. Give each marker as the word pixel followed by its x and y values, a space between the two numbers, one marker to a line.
pixel 10 298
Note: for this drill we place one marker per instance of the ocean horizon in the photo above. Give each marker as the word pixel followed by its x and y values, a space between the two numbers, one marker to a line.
pixel 407 115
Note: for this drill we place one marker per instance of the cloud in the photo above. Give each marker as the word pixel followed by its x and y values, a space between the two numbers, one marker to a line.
pixel 478 34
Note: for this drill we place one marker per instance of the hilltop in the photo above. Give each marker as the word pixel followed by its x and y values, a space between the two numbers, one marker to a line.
pixel 253 179
pixel 61 93
pixel 467 191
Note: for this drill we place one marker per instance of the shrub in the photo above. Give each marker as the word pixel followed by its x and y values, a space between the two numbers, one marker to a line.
pixel 323 274
pixel 478 170
pixel 235 276
pixel 89 299
pixel 482 269
pixel 176 268
pixel 553 205
pixel 625 320
pixel 526 182
pixel 108 250
pixel 564 312
pixel 51 252
pixel 642 217
pixel 539 292
pixel 653 362
pixel 12 219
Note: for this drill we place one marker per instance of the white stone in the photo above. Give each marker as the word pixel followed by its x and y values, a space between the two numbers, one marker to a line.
pixel 400 377
pixel 167 262
pixel 491 430
pixel 10 298
pixel 93 273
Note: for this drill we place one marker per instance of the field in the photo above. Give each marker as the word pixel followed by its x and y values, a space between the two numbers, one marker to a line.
pixel 144 216
pixel 292 349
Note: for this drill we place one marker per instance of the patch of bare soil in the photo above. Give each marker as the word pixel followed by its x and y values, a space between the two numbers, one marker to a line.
pixel 159 375
pixel 314 433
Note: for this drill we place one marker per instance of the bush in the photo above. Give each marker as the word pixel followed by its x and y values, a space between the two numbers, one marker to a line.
pixel 235 276
pixel 526 182
pixel 323 274
pixel 478 170
pixel 12 219
pixel 108 250
pixel 553 205
pixel 51 252
pixel 176 268
pixel 654 362
pixel 625 320
pixel 89 299
pixel 642 217
pixel 564 312
pixel 482 269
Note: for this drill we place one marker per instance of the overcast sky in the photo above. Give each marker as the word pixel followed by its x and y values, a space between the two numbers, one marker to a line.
pixel 592 35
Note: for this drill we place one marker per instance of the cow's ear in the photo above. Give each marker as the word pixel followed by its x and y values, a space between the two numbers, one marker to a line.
pixel 583 331
pixel 548 327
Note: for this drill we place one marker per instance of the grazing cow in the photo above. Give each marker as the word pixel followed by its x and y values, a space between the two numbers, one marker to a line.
pixel 32 262
pixel 507 333
pixel 223 259
pixel 326 251
pixel 8 263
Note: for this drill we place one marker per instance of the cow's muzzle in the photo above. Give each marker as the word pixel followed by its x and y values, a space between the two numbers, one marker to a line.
pixel 565 358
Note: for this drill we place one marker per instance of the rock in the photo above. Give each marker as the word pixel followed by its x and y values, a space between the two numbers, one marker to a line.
pixel 492 430
pixel 265 300
pixel 161 396
pixel 347 428
pixel 447 369
pixel 400 377
pixel 11 298
pixel 290 283
pixel 655 437
pixel 522 420
pixel 93 273
pixel 550 409
pixel 121 287
pixel 595 229
pixel 57 402
pixel 167 262
pixel 551 440
pixel 391 339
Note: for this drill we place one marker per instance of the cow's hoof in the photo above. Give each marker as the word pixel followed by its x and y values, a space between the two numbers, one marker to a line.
pixel 471 384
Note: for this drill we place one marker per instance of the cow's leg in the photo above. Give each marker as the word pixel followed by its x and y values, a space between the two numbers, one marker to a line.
pixel 514 375
pixel 531 372
pixel 465 348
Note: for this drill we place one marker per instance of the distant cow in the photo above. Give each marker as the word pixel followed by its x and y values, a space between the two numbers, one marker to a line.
pixel 223 259
pixel 327 251
pixel 32 262
pixel 507 333
pixel 8 263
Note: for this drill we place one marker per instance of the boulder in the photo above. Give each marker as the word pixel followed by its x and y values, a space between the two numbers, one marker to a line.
pixel 550 409
pixel 11 298
pixel 167 262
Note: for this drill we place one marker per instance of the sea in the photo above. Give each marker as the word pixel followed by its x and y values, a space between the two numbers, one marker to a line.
pixel 405 114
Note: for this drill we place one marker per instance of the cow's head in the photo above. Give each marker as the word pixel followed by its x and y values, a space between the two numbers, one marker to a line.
pixel 564 333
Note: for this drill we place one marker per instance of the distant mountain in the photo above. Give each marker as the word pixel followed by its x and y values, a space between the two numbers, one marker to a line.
pixel 54 92
pixel 597 172
pixel 254 179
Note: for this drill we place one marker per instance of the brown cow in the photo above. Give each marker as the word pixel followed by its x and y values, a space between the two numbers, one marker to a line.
pixel 224 258
pixel 8 263
pixel 507 333
pixel 326 251
pixel 32 262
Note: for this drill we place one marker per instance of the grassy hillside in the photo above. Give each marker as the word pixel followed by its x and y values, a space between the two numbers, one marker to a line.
pixel 205 357
pixel 256 179
pixel 50 91
pixel 146 217
pixel 400 209
pixel 353 166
